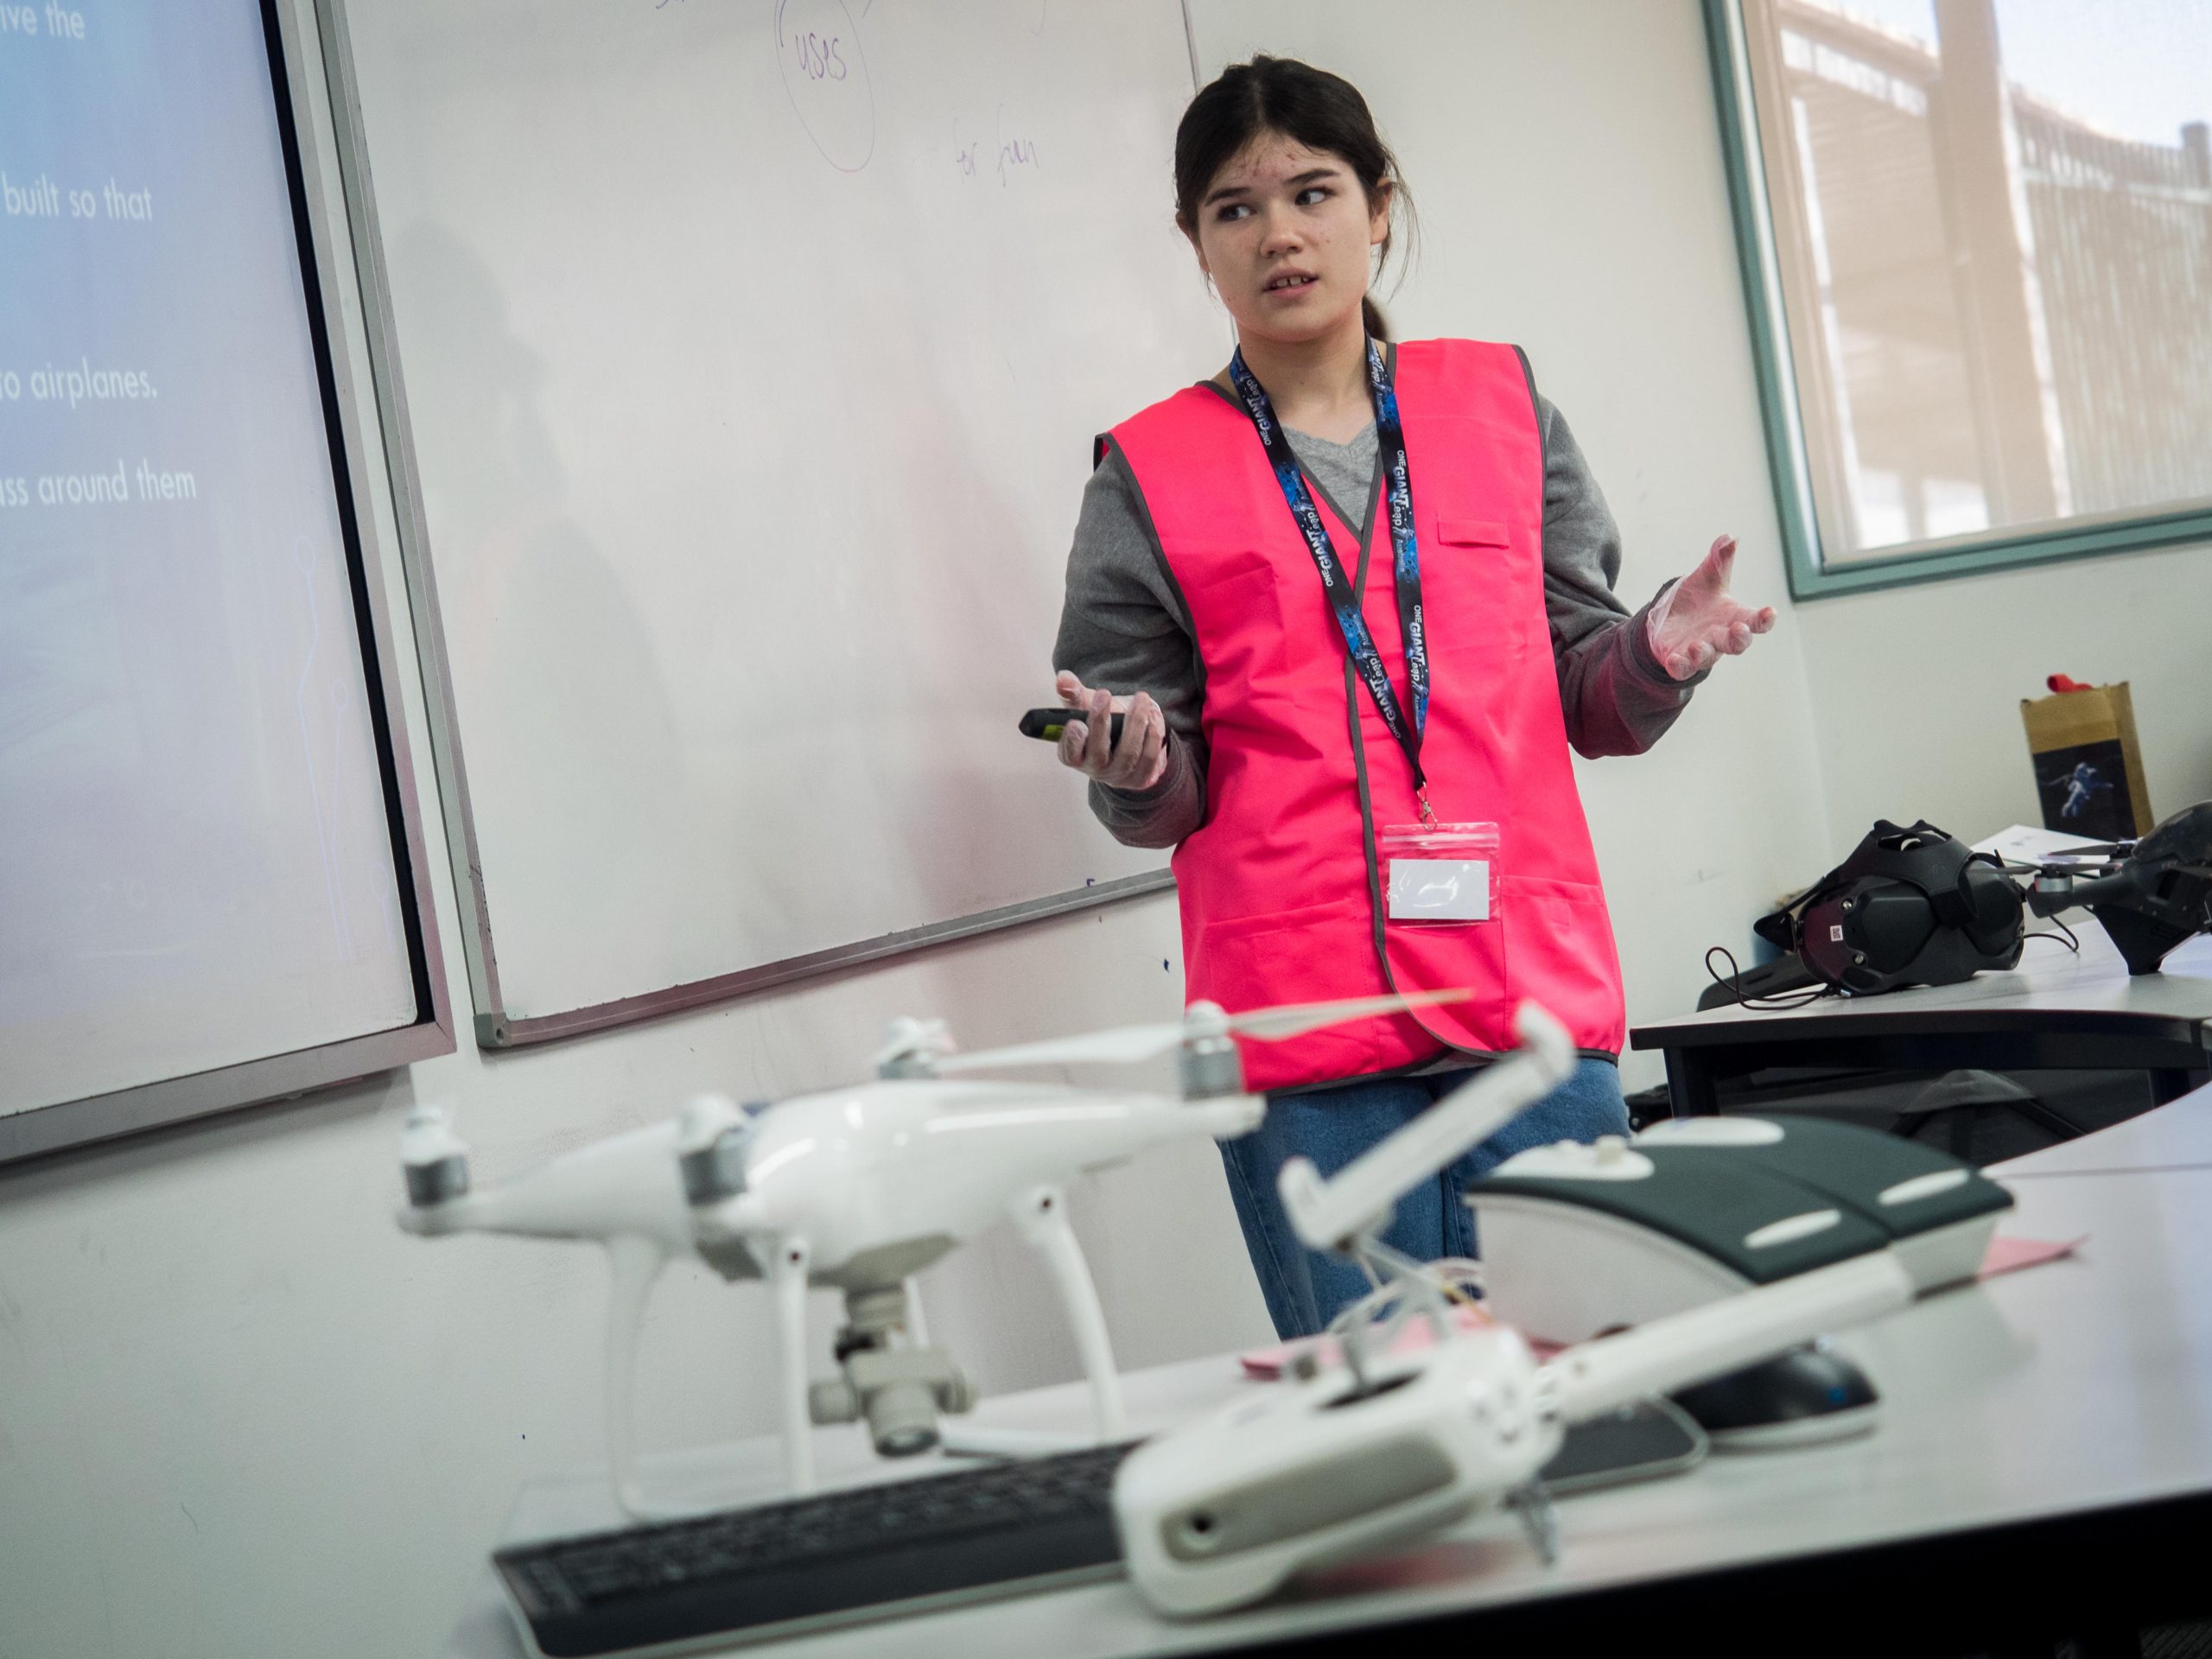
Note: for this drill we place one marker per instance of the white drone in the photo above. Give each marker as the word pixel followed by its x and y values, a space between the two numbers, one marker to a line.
pixel 858 1189
pixel 1384 1446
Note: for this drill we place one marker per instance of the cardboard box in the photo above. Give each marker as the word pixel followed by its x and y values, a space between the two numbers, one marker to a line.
pixel 2088 765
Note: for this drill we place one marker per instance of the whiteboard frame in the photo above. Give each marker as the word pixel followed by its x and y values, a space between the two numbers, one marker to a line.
pixel 495 1027
pixel 42 1130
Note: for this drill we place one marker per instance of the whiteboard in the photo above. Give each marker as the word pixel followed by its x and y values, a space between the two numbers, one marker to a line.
pixel 753 350
pixel 206 895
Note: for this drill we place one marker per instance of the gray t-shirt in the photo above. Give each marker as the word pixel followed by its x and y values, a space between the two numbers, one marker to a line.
pixel 1123 626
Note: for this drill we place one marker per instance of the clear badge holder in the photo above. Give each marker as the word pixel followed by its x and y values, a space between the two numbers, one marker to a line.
pixel 1438 874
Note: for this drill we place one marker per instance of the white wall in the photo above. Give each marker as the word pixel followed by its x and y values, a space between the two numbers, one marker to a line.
pixel 241 1416
pixel 1916 690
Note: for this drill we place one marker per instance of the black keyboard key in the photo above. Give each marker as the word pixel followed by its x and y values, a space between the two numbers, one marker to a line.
pixel 858 1553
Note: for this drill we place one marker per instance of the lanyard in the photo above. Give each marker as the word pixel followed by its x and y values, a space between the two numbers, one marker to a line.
pixel 1391 445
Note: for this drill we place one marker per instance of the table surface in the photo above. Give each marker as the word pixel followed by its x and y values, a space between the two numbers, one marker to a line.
pixel 2068 1388
pixel 2049 981
pixel 2175 1136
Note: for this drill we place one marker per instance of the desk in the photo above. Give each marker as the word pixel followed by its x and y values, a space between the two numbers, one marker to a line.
pixel 2175 1136
pixel 2054 1012
pixel 2047 1441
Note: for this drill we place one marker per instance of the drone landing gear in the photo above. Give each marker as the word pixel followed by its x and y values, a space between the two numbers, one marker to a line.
pixel 787 1262
pixel 1533 1504
pixel 633 1262
pixel 2143 941
pixel 1042 1215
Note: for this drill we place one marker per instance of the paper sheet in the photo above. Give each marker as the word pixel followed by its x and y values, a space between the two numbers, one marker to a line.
pixel 2030 845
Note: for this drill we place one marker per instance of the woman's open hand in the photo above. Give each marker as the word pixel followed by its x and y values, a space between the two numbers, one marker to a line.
pixel 1137 761
pixel 1697 621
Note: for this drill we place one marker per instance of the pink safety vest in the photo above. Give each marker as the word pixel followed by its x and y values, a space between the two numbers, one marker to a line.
pixel 1279 894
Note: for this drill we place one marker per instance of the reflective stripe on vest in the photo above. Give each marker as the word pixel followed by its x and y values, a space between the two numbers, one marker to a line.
pixel 1279 895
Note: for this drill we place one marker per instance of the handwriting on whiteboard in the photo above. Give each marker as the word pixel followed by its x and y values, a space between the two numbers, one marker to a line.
pixel 1005 156
pixel 825 74
pixel 1015 153
pixel 821 57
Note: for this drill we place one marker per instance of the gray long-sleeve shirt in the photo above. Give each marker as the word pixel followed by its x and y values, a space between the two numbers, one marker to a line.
pixel 1123 626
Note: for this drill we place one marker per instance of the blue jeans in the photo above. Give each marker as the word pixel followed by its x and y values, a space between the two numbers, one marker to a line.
pixel 1305 1288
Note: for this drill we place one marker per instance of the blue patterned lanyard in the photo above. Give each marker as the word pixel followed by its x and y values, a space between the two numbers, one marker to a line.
pixel 1336 582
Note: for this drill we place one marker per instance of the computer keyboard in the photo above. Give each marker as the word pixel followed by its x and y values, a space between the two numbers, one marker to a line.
pixel 867 1552
pixel 875 1552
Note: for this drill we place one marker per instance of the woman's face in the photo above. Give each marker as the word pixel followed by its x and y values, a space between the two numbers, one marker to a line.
pixel 1286 235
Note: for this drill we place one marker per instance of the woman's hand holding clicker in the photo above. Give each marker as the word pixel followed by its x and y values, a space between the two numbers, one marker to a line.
pixel 1139 761
pixel 1698 621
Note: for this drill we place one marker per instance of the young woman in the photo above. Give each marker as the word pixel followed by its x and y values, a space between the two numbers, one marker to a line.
pixel 1351 596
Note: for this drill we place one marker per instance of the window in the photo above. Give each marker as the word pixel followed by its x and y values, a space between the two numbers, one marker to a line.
pixel 1978 241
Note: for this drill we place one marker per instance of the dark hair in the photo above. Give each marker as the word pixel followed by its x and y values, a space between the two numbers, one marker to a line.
pixel 1315 108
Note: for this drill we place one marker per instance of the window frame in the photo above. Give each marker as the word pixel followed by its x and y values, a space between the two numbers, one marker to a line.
pixel 1789 463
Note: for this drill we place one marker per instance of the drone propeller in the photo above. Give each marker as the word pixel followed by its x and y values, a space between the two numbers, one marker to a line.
pixel 1202 1021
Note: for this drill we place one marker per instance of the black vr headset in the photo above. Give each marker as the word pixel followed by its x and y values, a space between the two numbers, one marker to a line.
pixel 1907 907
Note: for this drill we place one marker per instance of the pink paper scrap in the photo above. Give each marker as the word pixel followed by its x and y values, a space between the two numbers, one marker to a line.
pixel 2005 1255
